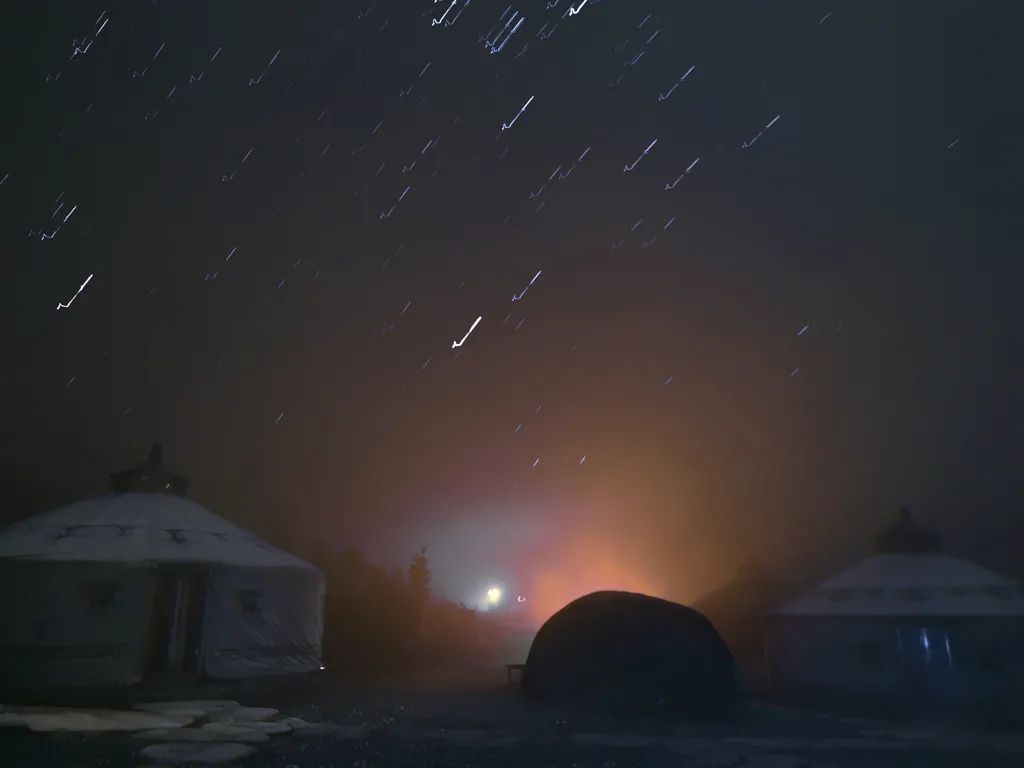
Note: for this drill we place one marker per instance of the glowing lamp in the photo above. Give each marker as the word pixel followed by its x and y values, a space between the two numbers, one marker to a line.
pixel 493 596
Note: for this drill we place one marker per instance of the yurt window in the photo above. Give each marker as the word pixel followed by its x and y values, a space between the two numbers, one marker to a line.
pixel 250 602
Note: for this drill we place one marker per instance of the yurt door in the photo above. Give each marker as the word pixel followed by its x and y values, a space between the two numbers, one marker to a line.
pixel 176 624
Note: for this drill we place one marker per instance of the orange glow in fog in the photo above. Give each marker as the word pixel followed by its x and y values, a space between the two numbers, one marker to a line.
pixel 585 565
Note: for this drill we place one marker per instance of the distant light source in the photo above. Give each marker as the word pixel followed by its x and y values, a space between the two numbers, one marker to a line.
pixel 493 596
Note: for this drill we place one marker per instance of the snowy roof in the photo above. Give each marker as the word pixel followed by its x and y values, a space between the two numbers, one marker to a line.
pixel 911 584
pixel 139 528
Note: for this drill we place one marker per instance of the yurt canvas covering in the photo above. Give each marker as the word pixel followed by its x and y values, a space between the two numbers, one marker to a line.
pixel 908 624
pixel 117 588
pixel 631 653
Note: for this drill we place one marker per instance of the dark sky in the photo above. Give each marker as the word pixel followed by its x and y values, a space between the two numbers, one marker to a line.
pixel 764 361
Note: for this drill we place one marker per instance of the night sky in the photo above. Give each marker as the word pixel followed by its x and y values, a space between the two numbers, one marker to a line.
pixel 796 312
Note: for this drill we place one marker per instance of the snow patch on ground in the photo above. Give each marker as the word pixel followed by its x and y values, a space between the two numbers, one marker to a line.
pixel 87 721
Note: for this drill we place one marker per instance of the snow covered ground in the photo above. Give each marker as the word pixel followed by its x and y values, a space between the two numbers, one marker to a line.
pixel 466 724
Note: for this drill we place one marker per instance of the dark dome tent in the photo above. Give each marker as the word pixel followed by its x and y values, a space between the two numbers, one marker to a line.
pixel 632 654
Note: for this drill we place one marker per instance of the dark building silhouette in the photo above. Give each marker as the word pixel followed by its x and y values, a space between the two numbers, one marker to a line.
pixel 737 610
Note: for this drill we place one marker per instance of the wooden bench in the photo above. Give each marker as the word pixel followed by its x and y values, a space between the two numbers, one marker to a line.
pixel 510 668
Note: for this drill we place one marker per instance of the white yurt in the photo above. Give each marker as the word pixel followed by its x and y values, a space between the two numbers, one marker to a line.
pixel 908 624
pixel 145 583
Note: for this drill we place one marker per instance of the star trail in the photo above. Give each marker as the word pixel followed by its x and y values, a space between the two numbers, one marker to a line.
pixel 286 226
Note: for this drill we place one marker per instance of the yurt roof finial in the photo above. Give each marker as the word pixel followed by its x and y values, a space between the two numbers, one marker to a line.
pixel 907 535
pixel 156 456
pixel 150 476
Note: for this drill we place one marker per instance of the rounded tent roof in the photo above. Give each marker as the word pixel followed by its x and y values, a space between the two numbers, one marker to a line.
pixel 139 528
pixel 634 652
pixel 911 584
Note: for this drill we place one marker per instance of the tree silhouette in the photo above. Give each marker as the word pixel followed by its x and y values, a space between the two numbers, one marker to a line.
pixel 419 584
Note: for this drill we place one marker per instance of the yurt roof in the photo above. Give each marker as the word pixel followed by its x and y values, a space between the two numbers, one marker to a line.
pixel 139 528
pixel 913 584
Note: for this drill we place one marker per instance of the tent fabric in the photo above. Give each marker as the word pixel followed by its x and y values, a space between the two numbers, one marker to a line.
pixel 138 528
pixel 631 653
pixel 101 591
pixel 61 626
pixel 263 621
pixel 911 584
